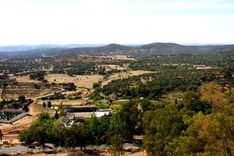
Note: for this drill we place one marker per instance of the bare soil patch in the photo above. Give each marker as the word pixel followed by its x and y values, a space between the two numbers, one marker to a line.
pixel 29 92
pixel 83 81
pixel 17 126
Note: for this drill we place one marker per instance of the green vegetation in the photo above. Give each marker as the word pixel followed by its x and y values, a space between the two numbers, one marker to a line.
pixel 54 96
pixel 37 76
pixel 42 131
pixel 20 105
pixel 95 131
pixel 116 146
pixel 179 109
pixel 22 102
pixel 198 123
pixel 153 86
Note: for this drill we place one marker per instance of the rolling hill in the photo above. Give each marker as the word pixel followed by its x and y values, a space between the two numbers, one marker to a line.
pixel 116 49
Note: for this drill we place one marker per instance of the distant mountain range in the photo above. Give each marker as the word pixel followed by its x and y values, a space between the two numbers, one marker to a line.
pixel 25 51
pixel 146 50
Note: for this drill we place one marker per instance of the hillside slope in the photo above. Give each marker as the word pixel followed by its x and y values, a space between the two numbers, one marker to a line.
pixel 148 50
pixel 116 49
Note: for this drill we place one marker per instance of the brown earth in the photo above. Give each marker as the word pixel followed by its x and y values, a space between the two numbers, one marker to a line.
pixel 82 81
pixel 29 92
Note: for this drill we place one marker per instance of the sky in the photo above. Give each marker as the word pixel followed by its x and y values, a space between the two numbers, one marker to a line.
pixel 116 21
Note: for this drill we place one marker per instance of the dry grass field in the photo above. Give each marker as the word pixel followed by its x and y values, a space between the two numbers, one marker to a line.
pixel 65 102
pixel 124 75
pixel 140 72
pixel 84 81
pixel 24 79
pixel 29 92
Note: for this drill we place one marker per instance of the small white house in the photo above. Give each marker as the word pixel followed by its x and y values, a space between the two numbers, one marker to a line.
pixel 102 112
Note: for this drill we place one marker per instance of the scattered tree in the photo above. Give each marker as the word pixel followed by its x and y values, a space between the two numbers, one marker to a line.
pixel 44 105
pixel 49 104
pixel 116 145
pixel 1 135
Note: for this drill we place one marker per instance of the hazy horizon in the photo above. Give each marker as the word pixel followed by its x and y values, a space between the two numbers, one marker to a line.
pixel 104 44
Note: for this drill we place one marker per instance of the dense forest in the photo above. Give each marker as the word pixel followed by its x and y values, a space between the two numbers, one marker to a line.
pixel 200 123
